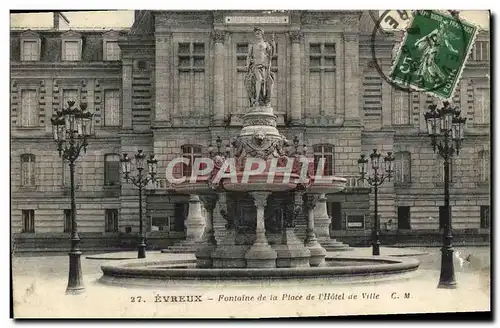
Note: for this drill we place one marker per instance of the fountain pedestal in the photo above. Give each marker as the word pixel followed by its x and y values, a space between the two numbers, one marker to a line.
pixel 204 252
pixel 195 222
pixel 260 254
pixel 290 251
pixel 322 227
pixel 318 253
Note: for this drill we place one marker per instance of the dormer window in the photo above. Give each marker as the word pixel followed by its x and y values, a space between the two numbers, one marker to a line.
pixel 30 46
pixel 111 49
pixel 71 46
pixel 71 51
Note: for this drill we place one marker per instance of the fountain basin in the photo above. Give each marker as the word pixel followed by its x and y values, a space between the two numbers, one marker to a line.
pixel 336 267
pixel 327 185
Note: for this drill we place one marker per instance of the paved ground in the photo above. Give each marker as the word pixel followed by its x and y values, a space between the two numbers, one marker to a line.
pixel 40 282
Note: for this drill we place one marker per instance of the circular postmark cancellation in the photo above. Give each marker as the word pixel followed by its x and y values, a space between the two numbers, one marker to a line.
pixel 432 54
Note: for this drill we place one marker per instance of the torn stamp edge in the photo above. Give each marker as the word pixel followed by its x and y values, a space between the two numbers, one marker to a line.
pixel 459 74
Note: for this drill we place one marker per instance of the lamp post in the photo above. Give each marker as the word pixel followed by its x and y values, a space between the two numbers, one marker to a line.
pixel 71 129
pixel 375 180
pixel 446 129
pixel 140 180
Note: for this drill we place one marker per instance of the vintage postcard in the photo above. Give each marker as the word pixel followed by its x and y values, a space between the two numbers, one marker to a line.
pixel 249 163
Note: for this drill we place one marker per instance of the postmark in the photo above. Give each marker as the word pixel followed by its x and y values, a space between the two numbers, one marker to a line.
pixel 433 53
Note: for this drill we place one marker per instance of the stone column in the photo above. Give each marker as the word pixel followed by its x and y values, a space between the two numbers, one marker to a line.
pixel 321 218
pixel 195 222
pixel 296 79
pixel 351 78
pixel 260 255
pixel 126 94
pixel 162 79
pixel 387 102
pixel 204 252
pixel 219 89
pixel 318 253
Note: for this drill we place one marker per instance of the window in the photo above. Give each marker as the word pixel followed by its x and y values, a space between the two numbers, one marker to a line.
pixel 191 153
pixel 404 217
pixel 111 170
pixel 30 51
pixel 28 170
pixel 484 166
pixel 322 63
pixel 481 51
pixel 70 94
pixel 180 213
pixel 334 210
pixel 402 167
pixel 71 50
pixel 112 50
pixel 29 108
pixel 482 105
pixel 401 108
pixel 242 100
pixel 28 220
pixel 111 224
pixel 485 216
pixel 112 108
pixel 191 65
pixel 326 152
pixel 67 220
pixel 162 223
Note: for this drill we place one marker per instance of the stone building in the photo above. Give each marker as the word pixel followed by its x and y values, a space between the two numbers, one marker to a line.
pixel 174 82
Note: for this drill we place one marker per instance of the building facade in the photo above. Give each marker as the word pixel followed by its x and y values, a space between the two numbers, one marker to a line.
pixel 174 82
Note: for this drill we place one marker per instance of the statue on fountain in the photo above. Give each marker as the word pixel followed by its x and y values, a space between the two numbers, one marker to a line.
pixel 259 79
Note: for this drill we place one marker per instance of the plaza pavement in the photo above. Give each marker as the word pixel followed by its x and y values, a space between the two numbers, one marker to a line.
pixel 39 284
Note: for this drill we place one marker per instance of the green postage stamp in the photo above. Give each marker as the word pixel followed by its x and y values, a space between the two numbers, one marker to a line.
pixel 433 53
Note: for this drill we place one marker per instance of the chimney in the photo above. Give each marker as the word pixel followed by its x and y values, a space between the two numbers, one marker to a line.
pixel 59 20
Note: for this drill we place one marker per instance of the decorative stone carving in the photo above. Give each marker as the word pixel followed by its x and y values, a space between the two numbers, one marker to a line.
pixel 260 121
pixel 296 36
pixel 350 36
pixel 219 36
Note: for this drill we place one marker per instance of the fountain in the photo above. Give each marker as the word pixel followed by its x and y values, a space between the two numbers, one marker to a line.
pixel 267 183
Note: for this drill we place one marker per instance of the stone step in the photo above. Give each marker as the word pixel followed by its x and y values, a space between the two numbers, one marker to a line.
pixel 332 245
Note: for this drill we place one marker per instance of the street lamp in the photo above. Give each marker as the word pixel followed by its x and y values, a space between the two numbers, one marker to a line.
pixel 446 129
pixel 71 128
pixel 140 180
pixel 375 180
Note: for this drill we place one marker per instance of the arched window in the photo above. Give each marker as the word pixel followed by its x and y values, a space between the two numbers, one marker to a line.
pixel 191 152
pixel 402 167
pixel 326 152
pixel 484 166
pixel 27 170
pixel 111 170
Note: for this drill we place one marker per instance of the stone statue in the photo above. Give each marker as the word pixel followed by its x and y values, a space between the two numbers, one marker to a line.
pixel 259 78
